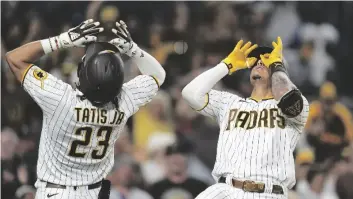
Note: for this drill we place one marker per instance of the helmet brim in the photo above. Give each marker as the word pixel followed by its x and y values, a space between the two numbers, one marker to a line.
pixel 261 50
pixel 97 47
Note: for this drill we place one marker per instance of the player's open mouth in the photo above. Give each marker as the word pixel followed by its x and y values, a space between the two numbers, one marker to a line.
pixel 256 77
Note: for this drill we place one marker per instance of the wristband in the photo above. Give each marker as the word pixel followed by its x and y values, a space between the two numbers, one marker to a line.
pixel 278 66
pixel 51 44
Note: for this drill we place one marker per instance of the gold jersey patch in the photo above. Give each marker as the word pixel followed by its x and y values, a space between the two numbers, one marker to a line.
pixel 40 75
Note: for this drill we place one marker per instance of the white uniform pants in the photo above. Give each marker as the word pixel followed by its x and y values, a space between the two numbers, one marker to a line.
pixel 81 192
pixel 225 191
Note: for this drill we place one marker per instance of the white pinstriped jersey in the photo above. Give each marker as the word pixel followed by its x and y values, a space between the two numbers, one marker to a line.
pixel 77 140
pixel 256 140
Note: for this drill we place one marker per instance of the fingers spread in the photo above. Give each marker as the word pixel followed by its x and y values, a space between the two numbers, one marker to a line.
pixel 274 44
pixel 279 41
pixel 250 61
pixel 93 31
pixel 239 44
pixel 88 21
pixel 263 59
pixel 248 51
pixel 245 47
pixel 90 25
pixel 122 23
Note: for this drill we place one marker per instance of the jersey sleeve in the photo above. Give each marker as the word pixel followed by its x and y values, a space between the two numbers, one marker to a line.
pixel 300 120
pixel 45 89
pixel 139 91
pixel 217 103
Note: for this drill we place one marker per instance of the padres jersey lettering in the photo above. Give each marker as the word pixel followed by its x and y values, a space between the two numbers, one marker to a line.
pixel 256 140
pixel 250 119
pixel 77 139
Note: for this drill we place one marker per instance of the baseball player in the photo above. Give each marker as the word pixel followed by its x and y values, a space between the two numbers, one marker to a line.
pixel 257 134
pixel 81 125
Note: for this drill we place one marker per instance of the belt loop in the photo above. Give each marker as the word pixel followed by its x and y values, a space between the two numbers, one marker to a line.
pixel 268 187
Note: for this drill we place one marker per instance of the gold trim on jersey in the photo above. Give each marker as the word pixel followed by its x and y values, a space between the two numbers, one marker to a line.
pixel 25 73
pixel 207 101
pixel 155 81
pixel 259 100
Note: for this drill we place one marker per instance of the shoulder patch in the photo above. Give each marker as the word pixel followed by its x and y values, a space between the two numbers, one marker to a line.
pixel 40 75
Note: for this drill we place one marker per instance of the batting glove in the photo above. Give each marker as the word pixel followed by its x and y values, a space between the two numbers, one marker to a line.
pixel 276 56
pixel 124 41
pixel 238 58
pixel 78 36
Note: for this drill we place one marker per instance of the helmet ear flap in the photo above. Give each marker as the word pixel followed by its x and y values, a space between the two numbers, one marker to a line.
pixel 79 68
pixel 80 65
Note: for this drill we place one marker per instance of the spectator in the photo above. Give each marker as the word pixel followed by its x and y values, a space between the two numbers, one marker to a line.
pixel 317 37
pixel 154 117
pixel 124 180
pixel 312 186
pixel 153 168
pixel 329 124
pixel 25 192
pixel 321 61
pixel 10 162
pixel 344 186
pixel 177 182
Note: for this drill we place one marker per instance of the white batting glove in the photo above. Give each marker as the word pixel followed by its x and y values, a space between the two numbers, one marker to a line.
pixel 124 41
pixel 78 36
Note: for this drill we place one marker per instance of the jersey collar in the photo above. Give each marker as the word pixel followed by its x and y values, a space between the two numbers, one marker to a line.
pixel 260 100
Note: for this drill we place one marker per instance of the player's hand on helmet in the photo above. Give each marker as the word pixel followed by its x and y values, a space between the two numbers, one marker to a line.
pixel 124 41
pixel 276 55
pixel 80 35
pixel 238 58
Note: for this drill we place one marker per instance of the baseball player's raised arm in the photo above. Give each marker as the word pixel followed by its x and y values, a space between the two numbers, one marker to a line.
pixel 200 95
pixel 290 100
pixel 209 102
pixel 146 63
pixel 143 87
pixel 21 58
pixel 46 90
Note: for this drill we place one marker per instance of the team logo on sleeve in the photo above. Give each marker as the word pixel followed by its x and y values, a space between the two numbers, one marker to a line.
pixel 40 75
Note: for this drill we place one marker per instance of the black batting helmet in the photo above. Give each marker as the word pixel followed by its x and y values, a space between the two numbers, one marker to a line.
pixel 100 73
pixel 261 50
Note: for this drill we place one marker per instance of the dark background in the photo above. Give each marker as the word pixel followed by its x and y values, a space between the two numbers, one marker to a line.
pixel 187 38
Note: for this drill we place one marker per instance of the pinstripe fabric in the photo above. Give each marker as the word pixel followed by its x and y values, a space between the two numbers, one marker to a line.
pixel 263 153
pixel 63 113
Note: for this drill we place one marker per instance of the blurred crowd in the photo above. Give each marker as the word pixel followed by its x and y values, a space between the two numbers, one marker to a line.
pixel 168 150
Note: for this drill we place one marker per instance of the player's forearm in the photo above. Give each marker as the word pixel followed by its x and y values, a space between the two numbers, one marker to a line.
pixel 148 65
pixel 20 58
pixel 195 93
pixel 281 84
